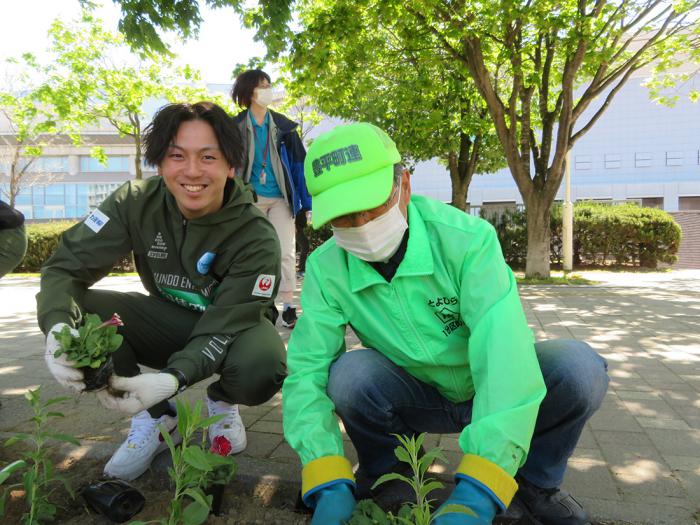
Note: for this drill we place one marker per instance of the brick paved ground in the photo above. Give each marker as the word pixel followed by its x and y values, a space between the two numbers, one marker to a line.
pixel 638 460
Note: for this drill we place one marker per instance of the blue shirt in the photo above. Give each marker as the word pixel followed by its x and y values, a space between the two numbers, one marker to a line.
pixel 270 189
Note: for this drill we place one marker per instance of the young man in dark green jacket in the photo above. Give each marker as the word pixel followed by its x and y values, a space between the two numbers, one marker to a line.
pixel 210 262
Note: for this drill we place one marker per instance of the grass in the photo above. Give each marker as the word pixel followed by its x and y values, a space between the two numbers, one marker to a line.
pixel 560 279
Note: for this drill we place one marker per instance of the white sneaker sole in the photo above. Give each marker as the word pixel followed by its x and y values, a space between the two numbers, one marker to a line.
pixel 131 475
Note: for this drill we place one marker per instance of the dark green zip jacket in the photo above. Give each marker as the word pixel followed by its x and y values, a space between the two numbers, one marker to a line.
pixel 226 265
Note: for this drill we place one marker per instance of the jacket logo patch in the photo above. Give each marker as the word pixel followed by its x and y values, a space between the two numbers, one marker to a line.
pixel 159 250
pixel 264 285
pixel 96 220
pixel 204 262
pixel 446 309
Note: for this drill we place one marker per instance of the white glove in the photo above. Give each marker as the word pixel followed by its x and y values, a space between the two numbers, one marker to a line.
pixel 140 392
pixel 60 367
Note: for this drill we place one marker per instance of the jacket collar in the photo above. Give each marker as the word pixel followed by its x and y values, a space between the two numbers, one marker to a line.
pixel 417 261
pixel 281 122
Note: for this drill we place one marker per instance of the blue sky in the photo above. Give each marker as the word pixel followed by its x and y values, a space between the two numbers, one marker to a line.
pixel 222 42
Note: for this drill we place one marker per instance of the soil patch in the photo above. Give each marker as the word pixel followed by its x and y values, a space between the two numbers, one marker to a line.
pixel 265 503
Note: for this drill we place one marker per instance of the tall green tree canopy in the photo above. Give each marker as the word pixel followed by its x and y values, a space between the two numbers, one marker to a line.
pixel 356 66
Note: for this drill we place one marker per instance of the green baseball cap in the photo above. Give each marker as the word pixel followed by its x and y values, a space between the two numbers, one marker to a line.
pixel 349 169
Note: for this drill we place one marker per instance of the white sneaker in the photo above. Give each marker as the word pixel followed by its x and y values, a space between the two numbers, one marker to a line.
pixel 227 435
pixel 144 443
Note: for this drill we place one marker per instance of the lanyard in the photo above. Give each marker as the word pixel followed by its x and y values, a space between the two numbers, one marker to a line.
pixel 263 175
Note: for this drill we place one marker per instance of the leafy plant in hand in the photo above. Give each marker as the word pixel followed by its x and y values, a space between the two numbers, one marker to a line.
pixel 195 469
pixel 90 350
pixel 419 512
pixel 39 478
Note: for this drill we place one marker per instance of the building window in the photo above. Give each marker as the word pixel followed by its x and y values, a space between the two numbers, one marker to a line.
pixel 653 202
pixel 583 162
pixel 642 160
pixel 674 158
pixel 50 164
pixel 115 164
pixel 689 203
pixel 613 161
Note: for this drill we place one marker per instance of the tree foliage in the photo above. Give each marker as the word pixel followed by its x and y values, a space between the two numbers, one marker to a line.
pixel 356 66
pixel 31 125
pixel 92 78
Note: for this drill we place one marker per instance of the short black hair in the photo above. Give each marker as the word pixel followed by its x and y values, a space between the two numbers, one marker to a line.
pixel 159 134
pixel 245 84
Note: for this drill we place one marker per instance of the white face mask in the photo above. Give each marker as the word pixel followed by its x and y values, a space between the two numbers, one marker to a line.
pixel 376 240
pixel 263 96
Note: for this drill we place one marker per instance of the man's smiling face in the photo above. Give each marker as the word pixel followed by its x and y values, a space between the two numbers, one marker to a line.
pixel 195 171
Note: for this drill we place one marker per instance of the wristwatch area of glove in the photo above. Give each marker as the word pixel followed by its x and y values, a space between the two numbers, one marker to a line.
pixel 181 379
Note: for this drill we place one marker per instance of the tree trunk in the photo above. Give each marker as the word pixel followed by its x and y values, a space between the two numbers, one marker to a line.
pixel 462 165
pixel 459 186
pixel 538 211
pixel 137 144
pixel 14 176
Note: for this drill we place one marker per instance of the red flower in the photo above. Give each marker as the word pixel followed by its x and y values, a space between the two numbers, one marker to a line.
pixel 221 446
pixel 114 321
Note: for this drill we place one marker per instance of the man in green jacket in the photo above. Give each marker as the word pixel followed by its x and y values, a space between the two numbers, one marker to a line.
pixel 211 264
pixel 13 238
pixel 447 348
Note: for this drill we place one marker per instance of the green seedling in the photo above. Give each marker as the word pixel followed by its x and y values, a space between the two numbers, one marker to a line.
pixel 91 350
pixel 39 478
pixel 195 469
pixel 419 512
pixel 95 342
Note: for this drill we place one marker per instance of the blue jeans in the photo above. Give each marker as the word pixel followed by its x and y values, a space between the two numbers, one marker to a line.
pixel 375 398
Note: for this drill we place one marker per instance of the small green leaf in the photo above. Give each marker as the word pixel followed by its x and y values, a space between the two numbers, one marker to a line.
pixel 166 436
pixel 454 508
pixel 197 458
pixel 55 400
pixel 16 439
pixel 197 495
pixel 195 513
pixel 391 476
pixel 7 470
pixel 65 438
pixel 403 455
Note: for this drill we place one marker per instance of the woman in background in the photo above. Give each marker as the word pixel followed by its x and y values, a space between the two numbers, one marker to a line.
pixel 274 166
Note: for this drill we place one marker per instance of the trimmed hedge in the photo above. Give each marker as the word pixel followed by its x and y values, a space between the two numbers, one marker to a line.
pixel 624 234
pixel 42 241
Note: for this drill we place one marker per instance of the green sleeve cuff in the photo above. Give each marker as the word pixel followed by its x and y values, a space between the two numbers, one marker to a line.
pixel 53 318
pixel 325 470
pixel 497 480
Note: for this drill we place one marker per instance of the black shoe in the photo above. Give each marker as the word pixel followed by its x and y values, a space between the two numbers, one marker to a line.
pixel 551 506
pixel 289 317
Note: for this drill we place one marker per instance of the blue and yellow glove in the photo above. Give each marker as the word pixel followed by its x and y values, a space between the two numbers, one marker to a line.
pixel 473 495
pixel 334 505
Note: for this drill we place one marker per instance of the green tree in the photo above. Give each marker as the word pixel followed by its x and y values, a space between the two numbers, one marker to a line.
pixel 31 125
pixel 396 81
pixel 93 78
pixel 143 21
pixel 540 65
